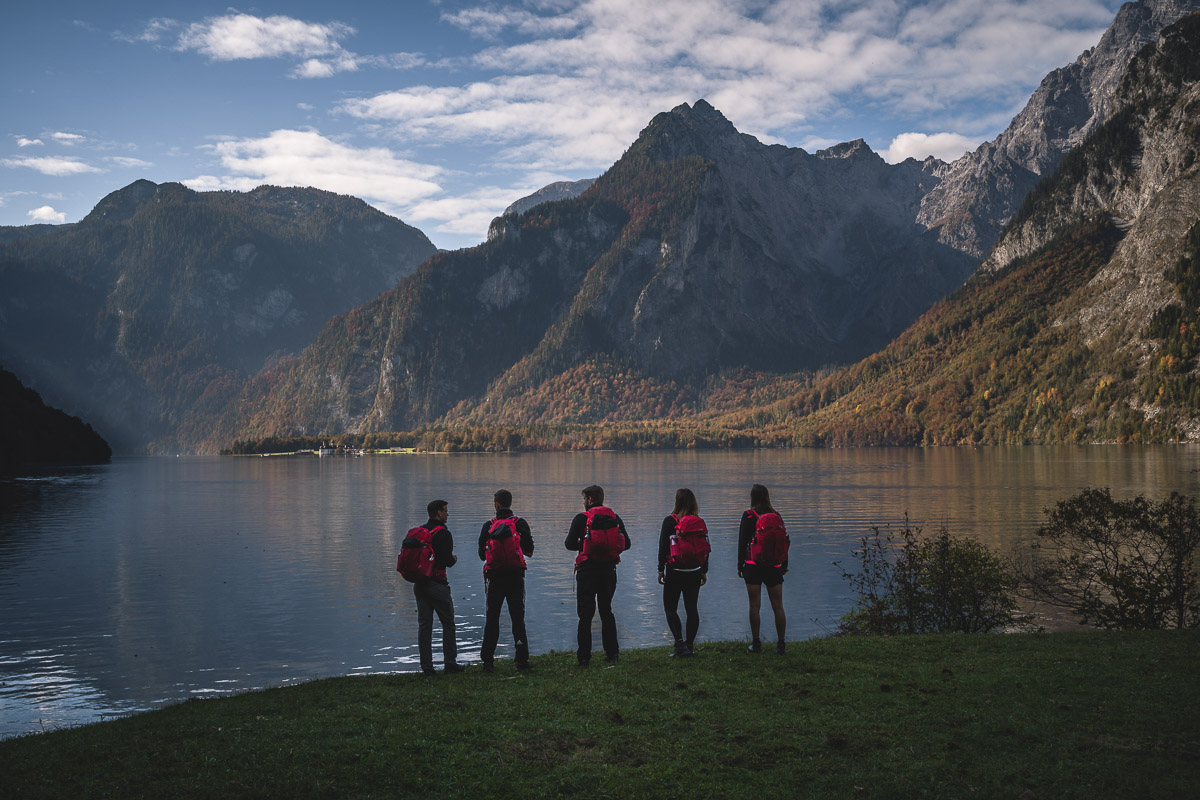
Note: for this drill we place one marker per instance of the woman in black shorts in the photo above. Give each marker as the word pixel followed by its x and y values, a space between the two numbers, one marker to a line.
pixel 756 575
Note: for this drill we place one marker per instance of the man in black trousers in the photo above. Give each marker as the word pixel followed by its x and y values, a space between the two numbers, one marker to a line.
pixel 600 537
pixel 505 541
pixel 433 595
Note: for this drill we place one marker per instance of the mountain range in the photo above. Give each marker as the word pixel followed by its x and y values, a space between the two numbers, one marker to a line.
pixel 706 282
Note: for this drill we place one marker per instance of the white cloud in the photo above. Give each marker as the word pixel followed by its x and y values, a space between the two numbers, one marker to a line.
pixel 393 61
pixel 156 30
pixel 946 146
pixel 326 68
pixel 306 158
pixel 242 36
pixel 23 142
pixel 595 72
pixel 129 163
pixel 316 47
pixel 305 106
pixel 47 214
pixel 470 213
pixel 546 121
pixel 488 23
pixel 66 138
pixel 51 166
pixel 314 68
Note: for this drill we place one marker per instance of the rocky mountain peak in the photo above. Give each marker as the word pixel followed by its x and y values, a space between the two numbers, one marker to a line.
pixel 854 149
pixel 693 130
pixel 1150 142
pixel 982 191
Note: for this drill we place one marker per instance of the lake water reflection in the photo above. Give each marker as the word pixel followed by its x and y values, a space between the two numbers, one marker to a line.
pixel 149 581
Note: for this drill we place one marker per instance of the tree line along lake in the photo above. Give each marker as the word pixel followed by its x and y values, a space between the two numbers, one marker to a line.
pixel 148 581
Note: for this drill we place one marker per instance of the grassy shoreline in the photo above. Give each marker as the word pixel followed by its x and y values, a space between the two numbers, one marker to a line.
pixel 1088 715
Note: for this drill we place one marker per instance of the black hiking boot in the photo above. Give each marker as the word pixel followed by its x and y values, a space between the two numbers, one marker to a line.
pixel 755 646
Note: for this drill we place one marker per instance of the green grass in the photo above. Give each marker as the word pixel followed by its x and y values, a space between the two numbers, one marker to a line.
pixel 1090 715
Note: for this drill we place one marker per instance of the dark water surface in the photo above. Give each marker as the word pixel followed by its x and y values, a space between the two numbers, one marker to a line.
pixel 150 581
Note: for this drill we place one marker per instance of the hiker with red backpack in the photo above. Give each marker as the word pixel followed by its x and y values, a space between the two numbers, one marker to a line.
pixel 505 541
pixel 683 551
pixel 762 560
pixel 600 537
pixel 427 552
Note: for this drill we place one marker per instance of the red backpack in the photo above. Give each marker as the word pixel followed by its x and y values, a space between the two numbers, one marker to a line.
pixel 769 547
pixel 602 541
pixel 416 560
pixel 503 547
pixel 689 543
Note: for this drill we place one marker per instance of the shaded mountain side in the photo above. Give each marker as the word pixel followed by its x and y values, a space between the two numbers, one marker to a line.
pixel 34 433
pixel 447 331
pixel 147 315
pixel 983 190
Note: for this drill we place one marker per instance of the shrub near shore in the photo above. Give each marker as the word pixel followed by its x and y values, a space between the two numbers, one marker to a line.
pixel 1087 715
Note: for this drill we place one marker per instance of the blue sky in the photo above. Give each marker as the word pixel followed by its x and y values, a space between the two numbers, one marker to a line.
pixel 442 113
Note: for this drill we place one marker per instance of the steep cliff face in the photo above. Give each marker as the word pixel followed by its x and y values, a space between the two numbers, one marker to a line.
pixel 983 190
pixel 1151 140
pixel 143 316
pixel 1143 169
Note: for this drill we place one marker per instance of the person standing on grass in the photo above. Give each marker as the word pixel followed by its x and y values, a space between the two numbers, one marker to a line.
pixel 433 595
pixel 683 550
pixel 600 537
pixel 505 541
pixel 762 560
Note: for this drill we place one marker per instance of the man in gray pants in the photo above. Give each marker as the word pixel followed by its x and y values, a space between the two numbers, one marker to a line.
pixel 433 595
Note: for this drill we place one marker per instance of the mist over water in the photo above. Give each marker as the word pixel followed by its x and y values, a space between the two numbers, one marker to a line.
pixel 149 581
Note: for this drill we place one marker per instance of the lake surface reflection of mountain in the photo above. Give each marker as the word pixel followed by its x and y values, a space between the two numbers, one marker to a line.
pixel 150 581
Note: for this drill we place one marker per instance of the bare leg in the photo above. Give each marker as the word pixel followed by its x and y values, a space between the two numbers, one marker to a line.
pixel 775 595
pixel 754 593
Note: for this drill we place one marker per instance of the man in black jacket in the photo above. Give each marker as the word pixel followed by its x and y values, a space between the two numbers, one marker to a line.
pixel 433 595
pixel 504 577
pixel 596 572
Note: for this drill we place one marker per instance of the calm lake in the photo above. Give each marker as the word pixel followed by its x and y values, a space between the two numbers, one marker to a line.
pixel 151 581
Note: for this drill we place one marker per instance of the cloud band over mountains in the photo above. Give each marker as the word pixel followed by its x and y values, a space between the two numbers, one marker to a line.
pixel 557 89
